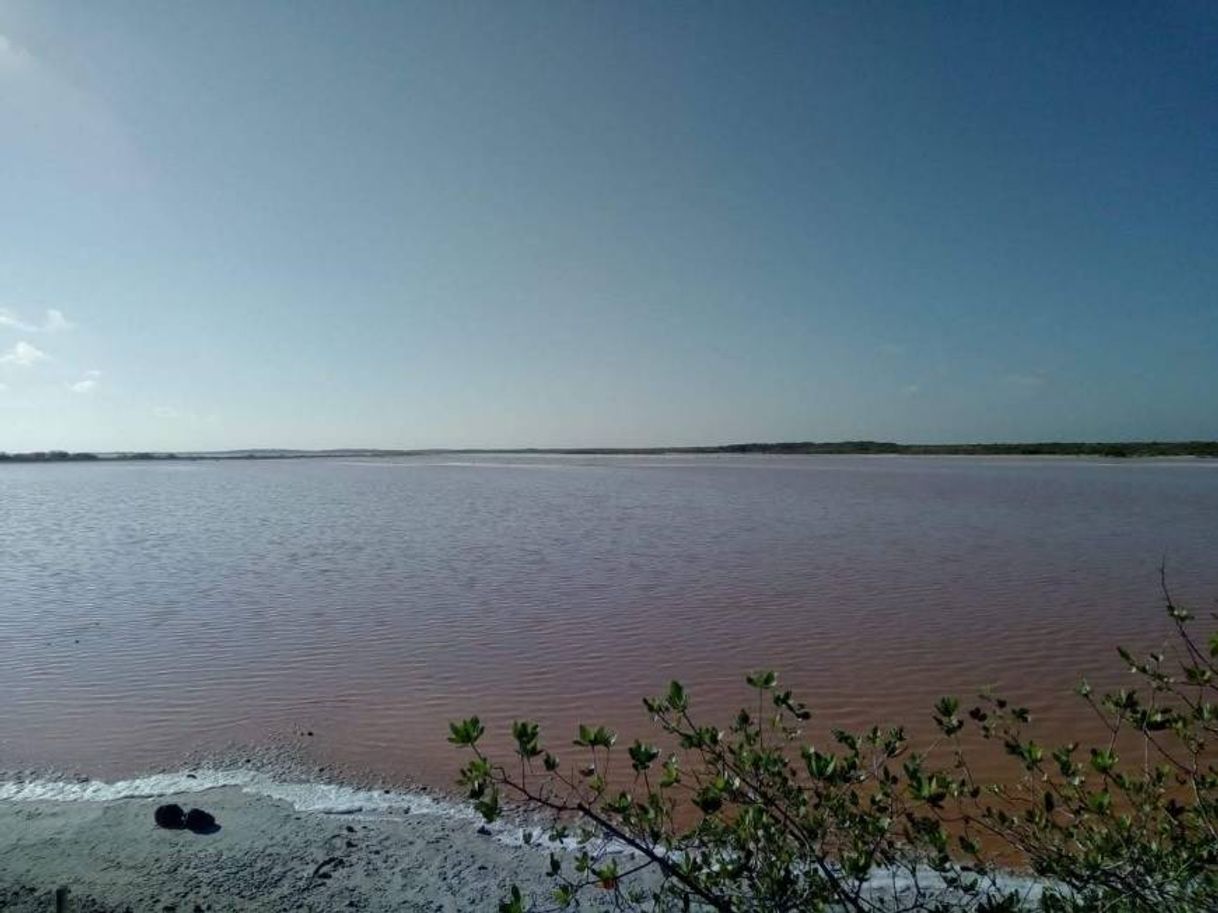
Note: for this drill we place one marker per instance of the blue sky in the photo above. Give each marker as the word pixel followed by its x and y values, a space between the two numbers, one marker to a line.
pixel 234 224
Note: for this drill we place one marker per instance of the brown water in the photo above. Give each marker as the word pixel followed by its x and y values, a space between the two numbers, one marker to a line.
pixel 147 610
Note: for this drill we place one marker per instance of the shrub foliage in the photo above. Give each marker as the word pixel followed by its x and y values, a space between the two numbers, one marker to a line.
pixel 751 817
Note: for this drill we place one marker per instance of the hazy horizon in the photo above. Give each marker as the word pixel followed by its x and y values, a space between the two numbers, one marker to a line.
pixel 562 448
pixel 492 225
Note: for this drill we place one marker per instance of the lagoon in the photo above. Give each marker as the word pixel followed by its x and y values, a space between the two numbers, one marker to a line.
pixel 151 610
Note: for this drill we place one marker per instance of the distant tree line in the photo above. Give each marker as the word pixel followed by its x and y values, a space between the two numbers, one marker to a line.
pixel 1107 449
pixel 64 456
pixel 46 456
pixel 1042 448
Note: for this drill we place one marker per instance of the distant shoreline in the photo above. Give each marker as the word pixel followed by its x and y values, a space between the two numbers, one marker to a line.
pixel 1107 449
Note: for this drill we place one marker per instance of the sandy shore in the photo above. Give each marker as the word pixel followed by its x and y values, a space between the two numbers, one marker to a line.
pixel 286 840
pixel 280 846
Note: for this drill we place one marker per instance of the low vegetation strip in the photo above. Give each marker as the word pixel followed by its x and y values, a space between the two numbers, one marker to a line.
pixel 1106 449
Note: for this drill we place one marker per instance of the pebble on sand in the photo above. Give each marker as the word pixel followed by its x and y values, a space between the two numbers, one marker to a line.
pixel 199 821
pixel 170 816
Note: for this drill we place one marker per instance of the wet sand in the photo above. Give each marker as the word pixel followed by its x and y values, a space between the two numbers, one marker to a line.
pixel 318 846
pixel 266 856
pixel 399 852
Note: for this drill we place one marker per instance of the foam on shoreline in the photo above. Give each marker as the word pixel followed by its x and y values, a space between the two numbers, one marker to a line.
pixel 286 843
pixel 315 797
pixel 322 797
pixel 325 798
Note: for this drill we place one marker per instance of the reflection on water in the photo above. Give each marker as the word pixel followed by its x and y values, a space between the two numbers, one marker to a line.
pixel 151 609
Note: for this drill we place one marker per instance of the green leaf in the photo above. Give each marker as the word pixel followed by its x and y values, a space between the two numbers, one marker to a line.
pixel 475 776
pixel 677 699
pixel 466 732
pixel 709 800
pixel 607 875
pixel 784 701
pixel 488 805
pixel 642 756
pixel 1100 803
pixel 672 773
pixel 514 903
pixel 820 766
pixel 619 805
pixel 527 736
pixel 1103 761
pixel 600 737
pixel 762 680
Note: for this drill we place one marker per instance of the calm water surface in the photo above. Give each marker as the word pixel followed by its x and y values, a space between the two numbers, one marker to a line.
pixel 148 610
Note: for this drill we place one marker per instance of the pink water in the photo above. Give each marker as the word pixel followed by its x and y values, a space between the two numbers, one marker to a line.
pixel 150 610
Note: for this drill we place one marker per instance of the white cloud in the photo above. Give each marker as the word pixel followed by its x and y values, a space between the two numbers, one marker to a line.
pixel 53 322
pixel 23 354
pixel 11 320
pixel 165 412
pixel 911 389
pixel 86 384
